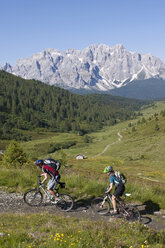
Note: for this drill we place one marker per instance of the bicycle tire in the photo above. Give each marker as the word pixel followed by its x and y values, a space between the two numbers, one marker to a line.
pixel 65 203
pixel 131 213
pixel 33 197
pixel 97 207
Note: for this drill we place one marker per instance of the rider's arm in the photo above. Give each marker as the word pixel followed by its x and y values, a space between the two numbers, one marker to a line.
pixel 110 187
pixel 45 177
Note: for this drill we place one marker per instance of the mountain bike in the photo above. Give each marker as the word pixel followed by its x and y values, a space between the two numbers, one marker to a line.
pixel 35 197
pixel 103 205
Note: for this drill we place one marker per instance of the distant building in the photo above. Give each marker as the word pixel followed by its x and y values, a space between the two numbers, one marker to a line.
pixel 81 156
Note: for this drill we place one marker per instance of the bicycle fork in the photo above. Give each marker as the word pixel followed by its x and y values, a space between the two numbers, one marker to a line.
pixel 102 204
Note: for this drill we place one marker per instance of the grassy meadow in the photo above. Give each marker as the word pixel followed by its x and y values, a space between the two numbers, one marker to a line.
pixel 47 231
pixel 139 154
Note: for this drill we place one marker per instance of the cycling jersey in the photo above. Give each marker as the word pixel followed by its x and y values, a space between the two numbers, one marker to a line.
pixel 50 171
pixel 114 180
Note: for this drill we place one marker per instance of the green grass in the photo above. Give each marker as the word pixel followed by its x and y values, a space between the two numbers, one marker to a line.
pixel 18 180
pixel 39 147
pixel 139 154
pixel 47 231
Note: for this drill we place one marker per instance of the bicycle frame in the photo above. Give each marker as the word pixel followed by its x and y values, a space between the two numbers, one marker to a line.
pixel 43 187
pixel 45 191
pixel 109 198
pixel 122 205
pixel 35 196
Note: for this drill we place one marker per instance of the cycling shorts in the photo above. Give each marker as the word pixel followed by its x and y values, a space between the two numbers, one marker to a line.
pixel 52 184
pixel 119 190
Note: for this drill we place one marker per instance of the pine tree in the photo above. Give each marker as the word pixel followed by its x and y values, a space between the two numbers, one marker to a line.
pixel 14 156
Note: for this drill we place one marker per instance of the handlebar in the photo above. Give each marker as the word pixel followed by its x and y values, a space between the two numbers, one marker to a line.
pixel 39 180
pixel 109 194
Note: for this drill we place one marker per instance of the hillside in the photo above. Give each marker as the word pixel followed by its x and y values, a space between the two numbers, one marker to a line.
pixel 138 152
pixel 135 147
pixel 151 89
pixel 142 89
pixel 30 104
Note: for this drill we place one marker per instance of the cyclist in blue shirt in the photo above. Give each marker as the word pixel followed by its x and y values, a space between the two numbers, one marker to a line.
pixel 119 186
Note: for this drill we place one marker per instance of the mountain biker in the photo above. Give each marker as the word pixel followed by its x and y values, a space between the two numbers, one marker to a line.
pixel 119 187
pixel 53 173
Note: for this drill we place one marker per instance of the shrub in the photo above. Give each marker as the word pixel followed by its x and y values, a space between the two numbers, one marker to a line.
pixel 87 139
pixel 14 156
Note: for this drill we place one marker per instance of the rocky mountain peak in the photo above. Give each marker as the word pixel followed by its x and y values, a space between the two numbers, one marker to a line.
pixel 97 66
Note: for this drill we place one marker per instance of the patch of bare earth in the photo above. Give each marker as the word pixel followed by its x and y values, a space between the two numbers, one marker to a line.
pixel 14 203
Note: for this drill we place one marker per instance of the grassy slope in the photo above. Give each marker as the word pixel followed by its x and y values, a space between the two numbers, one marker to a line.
pixel 139 154
pixel 141 151
pixel 49 231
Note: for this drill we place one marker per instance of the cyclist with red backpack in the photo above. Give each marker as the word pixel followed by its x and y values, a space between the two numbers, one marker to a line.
pixel 50 168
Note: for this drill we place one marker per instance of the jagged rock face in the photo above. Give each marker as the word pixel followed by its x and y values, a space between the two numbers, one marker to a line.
pixel 99 67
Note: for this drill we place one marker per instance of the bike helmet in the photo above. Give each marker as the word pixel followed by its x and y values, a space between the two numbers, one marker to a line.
pixel 39 162
pixel 108 169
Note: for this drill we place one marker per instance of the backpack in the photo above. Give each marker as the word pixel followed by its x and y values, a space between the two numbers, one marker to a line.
pixel 121 177
pixel 52 163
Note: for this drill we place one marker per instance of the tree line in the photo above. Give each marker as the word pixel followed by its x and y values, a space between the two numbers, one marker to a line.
pixel 30 104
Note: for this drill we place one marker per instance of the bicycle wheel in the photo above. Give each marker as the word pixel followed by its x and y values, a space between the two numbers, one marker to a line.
pixel 131 213
pixel 33 197
pixel 65 203
pixel 98 206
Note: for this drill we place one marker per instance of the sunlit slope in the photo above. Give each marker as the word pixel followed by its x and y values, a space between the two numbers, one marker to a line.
pixel 139 152
pixel 138 141
pixel 134 147
pixel 143 143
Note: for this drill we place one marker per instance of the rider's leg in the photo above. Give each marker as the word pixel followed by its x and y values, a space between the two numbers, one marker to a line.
pixel 51 186
pixel 116 195
pixel 121 201
pixel 114 203
pixel 52 193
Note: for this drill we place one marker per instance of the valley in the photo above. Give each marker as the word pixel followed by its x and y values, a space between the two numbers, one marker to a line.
pixel 82 124
pixel 135 147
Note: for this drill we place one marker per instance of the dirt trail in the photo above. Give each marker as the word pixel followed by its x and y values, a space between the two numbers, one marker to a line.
pixel 13 203
pixel 107 147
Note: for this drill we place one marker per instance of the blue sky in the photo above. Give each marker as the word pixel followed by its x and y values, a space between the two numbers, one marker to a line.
pixel 30 26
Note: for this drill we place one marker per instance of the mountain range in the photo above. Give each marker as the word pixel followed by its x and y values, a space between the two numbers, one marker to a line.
pixel 97 68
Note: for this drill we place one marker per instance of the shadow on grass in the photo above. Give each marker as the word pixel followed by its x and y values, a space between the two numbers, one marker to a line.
pixel 151 207
pixel 148 207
